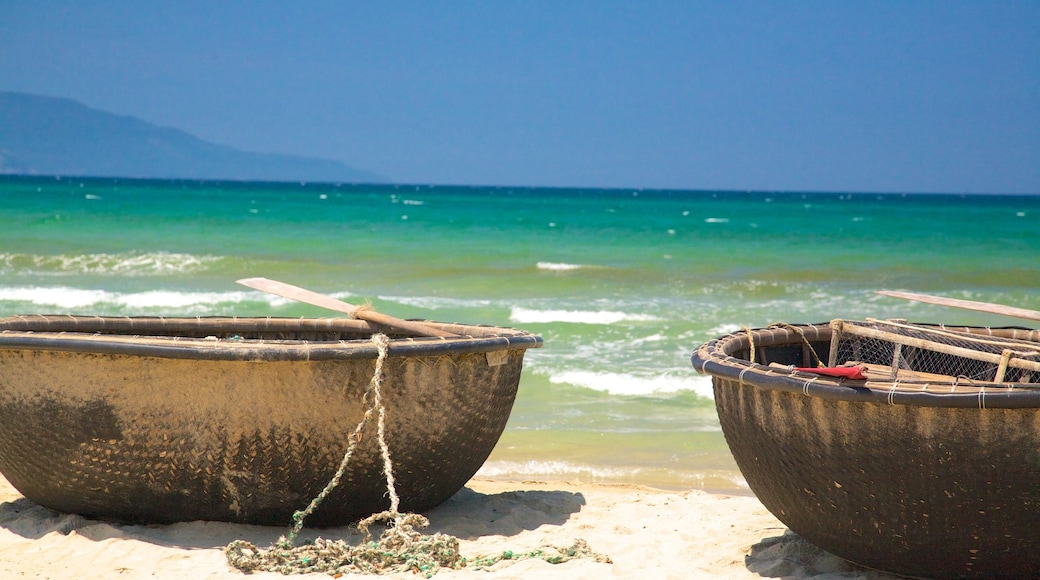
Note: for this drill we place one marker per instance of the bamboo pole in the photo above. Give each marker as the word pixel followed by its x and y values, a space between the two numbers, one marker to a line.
pixel 938 347
pixel 1005 358
pixel 987 307
pixel 832 355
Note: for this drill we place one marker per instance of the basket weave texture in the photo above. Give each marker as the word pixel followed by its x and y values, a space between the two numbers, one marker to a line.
pixel 922 485
pixel 220 422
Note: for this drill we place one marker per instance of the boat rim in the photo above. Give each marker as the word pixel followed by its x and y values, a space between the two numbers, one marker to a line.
pixel 157 337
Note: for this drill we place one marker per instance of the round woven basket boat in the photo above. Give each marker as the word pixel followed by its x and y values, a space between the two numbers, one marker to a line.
pixel 914 471
pixel 243 419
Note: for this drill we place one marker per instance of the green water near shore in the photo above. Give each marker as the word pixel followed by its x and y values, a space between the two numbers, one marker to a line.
pixel 622 284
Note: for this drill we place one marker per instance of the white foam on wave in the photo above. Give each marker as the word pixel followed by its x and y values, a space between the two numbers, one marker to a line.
pixel 61 297
pixel 125 264
pixel 713 220
pixel 552 469
pixel 727 328
pixel 574 471
pixel 648 339
pixel 432 302
pixel 406 201
pixel 173 299
pixel 558 266
pixel 530 316
pixel 626 384
pixel 65 298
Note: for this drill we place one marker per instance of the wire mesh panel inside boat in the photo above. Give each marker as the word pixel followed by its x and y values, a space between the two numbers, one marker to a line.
pixel 911 353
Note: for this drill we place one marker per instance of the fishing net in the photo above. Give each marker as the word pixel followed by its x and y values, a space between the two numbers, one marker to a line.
pixel 401 547
pixel 897 351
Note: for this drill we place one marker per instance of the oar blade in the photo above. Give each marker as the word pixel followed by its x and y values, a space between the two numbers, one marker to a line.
pixel 299 294
pixel 315 299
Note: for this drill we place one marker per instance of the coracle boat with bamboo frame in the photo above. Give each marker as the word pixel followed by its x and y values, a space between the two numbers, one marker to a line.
pixel 908 448
pixel 147 419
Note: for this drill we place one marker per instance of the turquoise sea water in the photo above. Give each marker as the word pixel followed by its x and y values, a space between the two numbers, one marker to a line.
pixel 622 284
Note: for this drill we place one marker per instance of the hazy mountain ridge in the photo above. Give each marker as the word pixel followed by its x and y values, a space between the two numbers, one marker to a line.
pixel 56 136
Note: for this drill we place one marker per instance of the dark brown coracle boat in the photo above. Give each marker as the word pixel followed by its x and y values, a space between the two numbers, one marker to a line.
pixel 244 419
pixel 923 459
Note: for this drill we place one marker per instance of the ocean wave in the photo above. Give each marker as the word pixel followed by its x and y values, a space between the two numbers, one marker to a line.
pixel 723 329
pixel 173 299
pixel 653 475
pixel 63 298
pixel 627 384
pixel 530 316
pixel 649 339
pixel 553 469
pixel 406 201
pixel 559 266
pixel 60 297
pixel 123 264
pixel 435 302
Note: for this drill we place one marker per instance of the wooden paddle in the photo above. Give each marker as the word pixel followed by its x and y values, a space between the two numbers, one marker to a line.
pixel 303 295
pixel 987 307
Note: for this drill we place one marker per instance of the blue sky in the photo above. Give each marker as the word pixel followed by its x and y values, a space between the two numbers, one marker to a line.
pixel 895 96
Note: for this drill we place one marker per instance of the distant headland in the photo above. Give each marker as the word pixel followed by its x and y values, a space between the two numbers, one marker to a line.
pixel 42 135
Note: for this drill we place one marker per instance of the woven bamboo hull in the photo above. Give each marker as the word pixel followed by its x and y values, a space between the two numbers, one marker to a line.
pixel 249 430
pixel 922 490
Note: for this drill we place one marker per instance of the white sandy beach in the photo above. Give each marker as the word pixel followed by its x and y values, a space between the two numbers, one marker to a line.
pixel 646 533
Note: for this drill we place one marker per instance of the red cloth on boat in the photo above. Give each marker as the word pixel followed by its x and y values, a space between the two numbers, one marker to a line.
pixel 841 372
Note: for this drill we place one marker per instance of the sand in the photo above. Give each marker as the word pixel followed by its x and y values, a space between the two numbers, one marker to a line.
pixel 646 533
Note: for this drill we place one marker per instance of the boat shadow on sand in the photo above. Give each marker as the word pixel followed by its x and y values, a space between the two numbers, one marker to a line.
pixel 790 556
pixel 467 515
